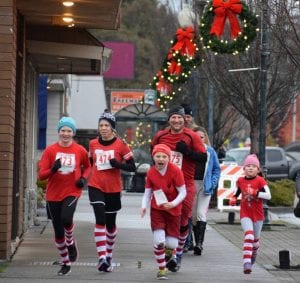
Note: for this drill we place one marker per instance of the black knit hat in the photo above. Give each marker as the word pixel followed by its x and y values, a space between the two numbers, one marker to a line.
pixel 110 118
pixel 179 110
pixel 187 110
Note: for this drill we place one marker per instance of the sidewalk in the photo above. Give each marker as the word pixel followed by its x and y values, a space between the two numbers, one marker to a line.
pixel 221 260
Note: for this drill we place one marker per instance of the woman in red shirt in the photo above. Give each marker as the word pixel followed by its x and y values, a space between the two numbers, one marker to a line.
pixel 109 155
pixel 65 165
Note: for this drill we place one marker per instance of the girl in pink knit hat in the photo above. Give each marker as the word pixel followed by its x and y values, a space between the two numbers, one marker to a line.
pixel 254 190
pixel 164 191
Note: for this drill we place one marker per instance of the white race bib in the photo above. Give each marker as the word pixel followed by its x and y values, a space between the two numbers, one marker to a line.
pixel 67 161
pixel 176 158
pixel 103 157
pixel 160 197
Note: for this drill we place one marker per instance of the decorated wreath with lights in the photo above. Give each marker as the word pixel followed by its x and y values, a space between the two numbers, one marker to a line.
pixel 243 26
pixel 182 57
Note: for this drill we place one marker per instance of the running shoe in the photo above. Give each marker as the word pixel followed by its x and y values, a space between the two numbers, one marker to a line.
pixel 65 270
pixel 247 268
pixel 171 264
pixel 162 275
pixel 109 267
pixel 102 265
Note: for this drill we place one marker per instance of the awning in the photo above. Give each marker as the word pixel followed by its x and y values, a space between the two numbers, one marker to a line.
pixel 89 14
pixel 66 51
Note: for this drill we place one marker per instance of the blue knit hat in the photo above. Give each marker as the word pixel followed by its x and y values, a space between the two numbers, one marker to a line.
pixel 68 122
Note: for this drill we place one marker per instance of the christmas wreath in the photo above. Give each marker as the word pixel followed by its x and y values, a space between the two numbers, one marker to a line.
pixel 182 57
pixel 213 22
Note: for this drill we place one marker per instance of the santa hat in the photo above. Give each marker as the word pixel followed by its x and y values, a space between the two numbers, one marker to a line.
pixel 161 148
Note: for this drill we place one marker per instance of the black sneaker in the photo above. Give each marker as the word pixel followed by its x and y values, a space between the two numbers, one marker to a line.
pixel 73 252
pixel 102 265
pixel 171 264
pixel 65 270
pixel 109 267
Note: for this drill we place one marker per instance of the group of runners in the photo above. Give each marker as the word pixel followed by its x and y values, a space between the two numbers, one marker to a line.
pixel 179 186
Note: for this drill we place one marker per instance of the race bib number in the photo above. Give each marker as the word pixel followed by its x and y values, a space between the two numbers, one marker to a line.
pixel 103 157
pixel 176 158
pixel 160 197
pixel 67 161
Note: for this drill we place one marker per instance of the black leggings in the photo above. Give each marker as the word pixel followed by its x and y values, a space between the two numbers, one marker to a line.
pixel 105 207
pixel 61 213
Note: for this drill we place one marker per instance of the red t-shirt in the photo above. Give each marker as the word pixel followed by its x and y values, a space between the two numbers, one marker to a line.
pixel 192 140
pixel 168 183
pixel 103 176
pixel 75 163
pixel 251 207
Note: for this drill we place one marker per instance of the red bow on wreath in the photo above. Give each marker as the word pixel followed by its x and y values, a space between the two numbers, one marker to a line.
pixel 185 44
pixel 175 68
pixel 162 86
pixel 224 10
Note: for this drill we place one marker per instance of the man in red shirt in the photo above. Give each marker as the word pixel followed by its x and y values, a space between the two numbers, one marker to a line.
pixel 186 148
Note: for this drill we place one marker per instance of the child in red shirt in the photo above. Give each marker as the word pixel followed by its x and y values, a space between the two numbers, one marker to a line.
pixel 254 190
pixel 65 165
pixel 165 189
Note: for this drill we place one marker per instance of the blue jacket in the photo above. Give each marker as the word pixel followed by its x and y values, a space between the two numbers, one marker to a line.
pixel 212 172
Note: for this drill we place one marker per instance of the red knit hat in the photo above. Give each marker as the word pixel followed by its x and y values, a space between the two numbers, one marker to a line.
pixel 251 159
pixel 161 148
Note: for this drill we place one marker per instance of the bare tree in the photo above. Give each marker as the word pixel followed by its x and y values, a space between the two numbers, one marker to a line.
pixel 286 27
pixel 242 89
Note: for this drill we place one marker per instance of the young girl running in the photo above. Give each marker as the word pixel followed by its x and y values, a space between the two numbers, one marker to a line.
pixel 254 190
pixel 65 165
pixel 165 189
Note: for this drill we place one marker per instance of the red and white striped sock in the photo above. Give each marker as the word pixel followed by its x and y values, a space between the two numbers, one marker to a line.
pixel 100 240
pixel 110 241
pixel 160 257
pixel 248 246
pixel 69 235
pixel 63 251
pixel 181 242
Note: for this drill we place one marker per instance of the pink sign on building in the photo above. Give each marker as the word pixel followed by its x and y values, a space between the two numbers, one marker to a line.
pixel 122 63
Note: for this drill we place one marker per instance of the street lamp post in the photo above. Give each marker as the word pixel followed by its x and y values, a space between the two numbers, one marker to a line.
pixel 263 94
pixel 263 82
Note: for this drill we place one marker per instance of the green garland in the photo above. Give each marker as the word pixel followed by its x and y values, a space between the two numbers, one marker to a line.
pixel 249 23
pixel 176 80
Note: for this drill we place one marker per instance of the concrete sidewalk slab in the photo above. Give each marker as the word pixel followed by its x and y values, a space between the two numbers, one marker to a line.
pixel 221 260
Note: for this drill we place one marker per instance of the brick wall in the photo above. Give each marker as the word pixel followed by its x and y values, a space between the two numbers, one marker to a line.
pixel 7 117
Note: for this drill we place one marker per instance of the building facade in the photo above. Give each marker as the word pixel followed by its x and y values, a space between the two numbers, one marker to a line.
pixel 35 40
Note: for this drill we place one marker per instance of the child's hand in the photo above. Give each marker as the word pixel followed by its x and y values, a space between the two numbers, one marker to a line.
pixel 168 205
pixel 232 201
pixel 143 212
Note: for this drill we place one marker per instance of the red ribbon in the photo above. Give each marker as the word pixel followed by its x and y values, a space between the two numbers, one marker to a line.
pixel 185 44
pixel 224 10
pixel 175 68
pixel 162 86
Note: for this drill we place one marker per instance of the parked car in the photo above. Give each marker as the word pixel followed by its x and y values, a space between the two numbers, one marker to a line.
pixel 279 164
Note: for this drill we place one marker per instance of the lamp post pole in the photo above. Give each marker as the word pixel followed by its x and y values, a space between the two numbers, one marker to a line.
pixel 263 82
pixel 263 94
